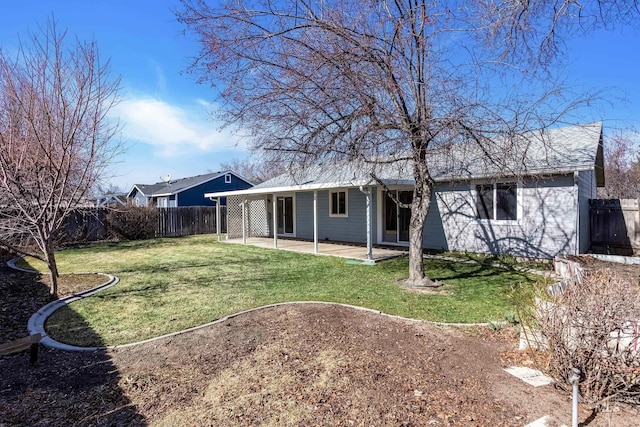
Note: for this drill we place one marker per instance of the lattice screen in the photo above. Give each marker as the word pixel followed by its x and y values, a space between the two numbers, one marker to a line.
pixel 234 217
pixel 256 220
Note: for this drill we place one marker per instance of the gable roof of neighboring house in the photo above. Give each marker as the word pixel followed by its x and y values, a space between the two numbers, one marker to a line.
pixel 112 199
pixel 555 151
pixel 179 185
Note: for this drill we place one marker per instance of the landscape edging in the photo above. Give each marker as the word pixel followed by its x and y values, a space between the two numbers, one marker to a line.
pixel 37 320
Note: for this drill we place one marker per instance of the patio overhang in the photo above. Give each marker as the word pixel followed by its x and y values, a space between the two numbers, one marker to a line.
pixel 304 187
pixel 246 196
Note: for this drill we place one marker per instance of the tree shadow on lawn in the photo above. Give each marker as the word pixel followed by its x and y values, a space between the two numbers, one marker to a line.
pixel 103 246
pixel 163 265
pixel 62 388
pixel 463 270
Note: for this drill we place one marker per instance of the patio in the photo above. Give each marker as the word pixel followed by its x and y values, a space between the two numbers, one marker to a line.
pixel 329 249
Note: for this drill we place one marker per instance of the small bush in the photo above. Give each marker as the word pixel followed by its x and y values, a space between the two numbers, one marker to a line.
pixel 511 317
pixel 132 222
pixel 593 326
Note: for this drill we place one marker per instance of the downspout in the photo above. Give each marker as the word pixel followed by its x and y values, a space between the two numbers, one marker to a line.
pixel 367 194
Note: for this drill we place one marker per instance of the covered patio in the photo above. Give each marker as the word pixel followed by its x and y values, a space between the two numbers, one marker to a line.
pixel 341 250
pixel 266 217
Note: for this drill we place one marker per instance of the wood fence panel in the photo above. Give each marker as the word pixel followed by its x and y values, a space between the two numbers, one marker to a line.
pixel 615 226
pixel 89 224
pixel 189 220
pixel 86 225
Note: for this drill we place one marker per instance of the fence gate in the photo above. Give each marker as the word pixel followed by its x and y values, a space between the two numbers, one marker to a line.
pixel 615 226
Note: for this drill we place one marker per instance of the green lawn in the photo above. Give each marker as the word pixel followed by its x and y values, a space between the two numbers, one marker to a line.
pixel 167 285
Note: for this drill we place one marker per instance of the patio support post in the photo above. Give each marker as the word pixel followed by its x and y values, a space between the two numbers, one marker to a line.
pixel 274 210
pixel 218 224
pixel 367 194
pixel 244 226
pixel 315 222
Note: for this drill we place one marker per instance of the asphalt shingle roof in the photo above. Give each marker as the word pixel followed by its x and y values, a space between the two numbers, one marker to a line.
pixel 176 185
pixel 560 150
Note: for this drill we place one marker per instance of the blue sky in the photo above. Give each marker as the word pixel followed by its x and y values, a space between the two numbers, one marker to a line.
pixel 166 115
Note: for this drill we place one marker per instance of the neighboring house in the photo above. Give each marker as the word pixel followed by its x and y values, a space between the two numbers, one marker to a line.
pixel 531 200
pixel 112 200
pixel 186 191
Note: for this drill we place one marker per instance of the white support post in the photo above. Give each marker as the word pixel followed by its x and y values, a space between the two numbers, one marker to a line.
pixel 315 222
pixel 367 194
pixel 244 226
pixel 369 243
pixel 274 204
pixel 218 224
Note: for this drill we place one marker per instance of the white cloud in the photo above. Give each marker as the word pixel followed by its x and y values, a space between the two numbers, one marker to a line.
pixel 173 130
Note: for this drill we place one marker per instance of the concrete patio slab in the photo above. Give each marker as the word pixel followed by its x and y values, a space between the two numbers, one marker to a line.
pixel 331 249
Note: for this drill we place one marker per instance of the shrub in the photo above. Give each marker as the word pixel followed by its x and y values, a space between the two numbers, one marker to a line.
pixel 593 326
pixel 132 222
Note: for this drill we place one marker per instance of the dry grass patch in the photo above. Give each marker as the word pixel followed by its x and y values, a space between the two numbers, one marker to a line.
pixel 262 389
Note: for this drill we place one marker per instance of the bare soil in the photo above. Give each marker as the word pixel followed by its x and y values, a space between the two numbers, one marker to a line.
pixel 302 364
pixel 631 272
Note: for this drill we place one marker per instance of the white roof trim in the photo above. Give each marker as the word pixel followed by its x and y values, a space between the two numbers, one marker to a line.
pixel 302 187
pixel 326 186
pixel 135 187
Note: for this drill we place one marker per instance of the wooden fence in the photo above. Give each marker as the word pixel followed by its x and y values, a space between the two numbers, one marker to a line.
pixel 189 220
pixel 91 225
pixel 615 226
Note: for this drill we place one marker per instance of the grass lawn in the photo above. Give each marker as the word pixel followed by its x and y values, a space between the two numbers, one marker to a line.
pixel 167 285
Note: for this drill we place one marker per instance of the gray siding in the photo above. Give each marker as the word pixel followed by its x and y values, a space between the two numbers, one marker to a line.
pixel 546 224
pixel 349 229
pixel 434 236
pixel 139 199
pixel 586 191
pixel 304 215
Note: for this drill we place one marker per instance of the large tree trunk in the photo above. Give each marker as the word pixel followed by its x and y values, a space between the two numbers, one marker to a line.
pixel 422 191
pixel 53 269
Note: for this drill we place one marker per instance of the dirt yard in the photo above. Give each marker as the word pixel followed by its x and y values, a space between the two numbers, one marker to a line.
pixel 286 366
pixel 629 271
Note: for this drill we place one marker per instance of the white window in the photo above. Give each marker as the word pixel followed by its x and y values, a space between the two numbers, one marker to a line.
pixel 227 178
pixel 338 202
pixel 162 202
pixel 497 201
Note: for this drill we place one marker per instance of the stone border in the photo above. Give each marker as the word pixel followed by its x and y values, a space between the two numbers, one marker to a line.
pixel 37 320
pixel 616 258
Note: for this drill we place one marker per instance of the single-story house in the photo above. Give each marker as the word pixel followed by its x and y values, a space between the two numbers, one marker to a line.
pixel 187 191
pixel 526 197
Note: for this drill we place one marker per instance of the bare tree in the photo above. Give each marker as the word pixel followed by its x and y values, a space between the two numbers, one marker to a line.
pixel 255 169
pixel 535 30
pixel 55 135
pixel 622 167
pixel 371 81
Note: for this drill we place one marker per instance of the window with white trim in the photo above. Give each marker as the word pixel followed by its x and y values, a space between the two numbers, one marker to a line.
pixel 497 201
pixel 338 202
pixel 227 178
